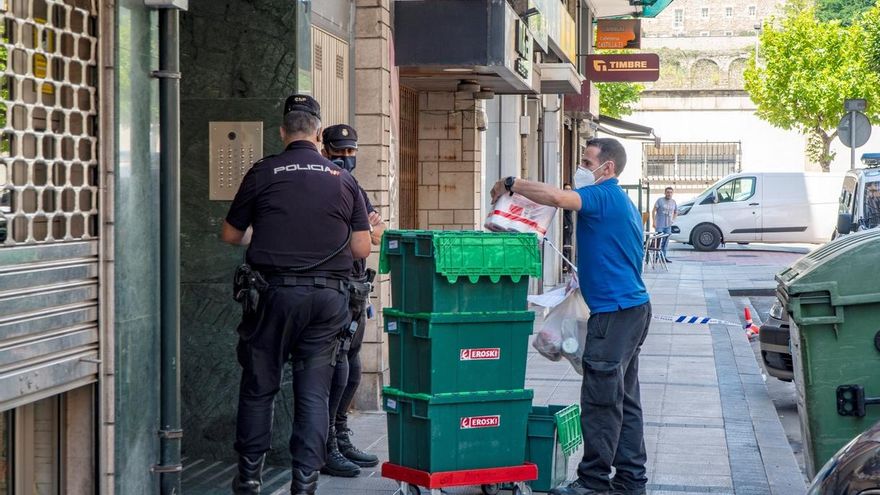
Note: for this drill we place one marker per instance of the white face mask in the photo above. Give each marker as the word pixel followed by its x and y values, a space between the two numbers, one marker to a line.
pixel 585 177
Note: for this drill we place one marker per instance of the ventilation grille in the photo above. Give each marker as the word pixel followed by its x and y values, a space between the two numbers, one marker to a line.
pixel 48 119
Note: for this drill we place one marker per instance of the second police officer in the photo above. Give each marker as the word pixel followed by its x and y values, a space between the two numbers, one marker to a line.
pixel 343 458
pixel 304 221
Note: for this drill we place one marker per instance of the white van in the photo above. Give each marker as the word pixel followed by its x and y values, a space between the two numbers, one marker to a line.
pixel 761 207
pixel 859 205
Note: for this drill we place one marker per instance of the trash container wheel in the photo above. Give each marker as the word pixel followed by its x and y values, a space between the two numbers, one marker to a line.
pixel 492 489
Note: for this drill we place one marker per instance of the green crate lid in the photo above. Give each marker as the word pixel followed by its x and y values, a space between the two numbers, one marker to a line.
pixel 457 398
pixel 483 317
pixel 473 254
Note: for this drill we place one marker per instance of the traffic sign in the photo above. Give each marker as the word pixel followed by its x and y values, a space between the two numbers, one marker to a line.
pixel 862 129
pixel 855 105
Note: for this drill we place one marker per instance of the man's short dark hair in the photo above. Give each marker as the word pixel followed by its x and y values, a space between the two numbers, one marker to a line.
pixel 299 123
pixel 668 189
pixel 610 150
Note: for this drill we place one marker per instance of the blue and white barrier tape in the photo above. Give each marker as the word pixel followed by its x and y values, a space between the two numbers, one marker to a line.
pixel 695 320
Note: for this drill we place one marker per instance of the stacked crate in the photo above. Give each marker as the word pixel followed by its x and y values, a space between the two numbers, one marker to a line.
pixel 458 335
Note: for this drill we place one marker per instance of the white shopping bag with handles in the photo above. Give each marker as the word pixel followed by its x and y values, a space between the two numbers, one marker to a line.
pixel 564 332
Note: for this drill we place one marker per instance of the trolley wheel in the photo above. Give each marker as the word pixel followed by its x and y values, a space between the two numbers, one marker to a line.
pixel 407 489
pixel 492 489
pixel 522 489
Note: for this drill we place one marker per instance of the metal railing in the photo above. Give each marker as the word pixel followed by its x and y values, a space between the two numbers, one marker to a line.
pixel 690 161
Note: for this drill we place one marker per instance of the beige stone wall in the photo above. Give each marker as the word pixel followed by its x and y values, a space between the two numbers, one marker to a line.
pixel 744 14
pixel 375 172
pixel 450 161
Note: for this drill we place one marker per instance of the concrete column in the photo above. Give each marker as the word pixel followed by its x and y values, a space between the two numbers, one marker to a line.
pixel 376 170
pixel 503 141
pixel 450 161
pixel 553 176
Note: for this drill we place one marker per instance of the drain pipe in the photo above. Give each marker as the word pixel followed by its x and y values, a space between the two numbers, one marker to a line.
pixel 170 432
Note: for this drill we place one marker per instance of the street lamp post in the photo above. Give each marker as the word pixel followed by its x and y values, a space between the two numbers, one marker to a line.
pixel 757 38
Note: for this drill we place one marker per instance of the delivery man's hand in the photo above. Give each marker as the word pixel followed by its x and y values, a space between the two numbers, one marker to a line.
pixel 498 190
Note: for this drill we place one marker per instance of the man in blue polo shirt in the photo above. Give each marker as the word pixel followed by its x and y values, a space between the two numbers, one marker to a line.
pixel 610 251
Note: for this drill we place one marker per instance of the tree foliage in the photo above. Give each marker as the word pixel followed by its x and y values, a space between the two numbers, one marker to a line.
pixel 618 99
pixel 809 67
pixel 870 23
pixel 845 11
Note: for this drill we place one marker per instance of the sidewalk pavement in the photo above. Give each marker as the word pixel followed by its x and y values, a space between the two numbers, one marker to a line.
pixel 710 426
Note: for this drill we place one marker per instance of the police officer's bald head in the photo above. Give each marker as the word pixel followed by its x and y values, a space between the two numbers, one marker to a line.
pixel 302 120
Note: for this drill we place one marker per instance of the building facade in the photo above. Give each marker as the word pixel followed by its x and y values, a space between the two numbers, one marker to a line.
pixel 110 106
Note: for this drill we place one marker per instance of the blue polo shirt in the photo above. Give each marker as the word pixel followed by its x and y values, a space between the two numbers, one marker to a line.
pixel 610 249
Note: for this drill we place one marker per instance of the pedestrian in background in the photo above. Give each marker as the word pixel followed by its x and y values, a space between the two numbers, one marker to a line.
pixel 610 249
pixel 304 221
pixel 665 212
pixel 343 458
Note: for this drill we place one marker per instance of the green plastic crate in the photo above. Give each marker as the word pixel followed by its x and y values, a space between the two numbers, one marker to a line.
pixel 450 432
pixel 452 353
pixel 544 445
pixel 568 423
pixel 459 271
pixel 554 434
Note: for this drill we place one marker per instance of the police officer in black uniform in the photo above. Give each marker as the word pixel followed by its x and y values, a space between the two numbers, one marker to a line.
pixel 343 458
pixel 305 222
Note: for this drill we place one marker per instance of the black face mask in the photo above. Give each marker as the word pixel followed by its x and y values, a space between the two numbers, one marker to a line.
pixel 346 162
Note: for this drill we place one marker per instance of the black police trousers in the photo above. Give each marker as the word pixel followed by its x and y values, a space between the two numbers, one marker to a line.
pixel 301 324
pixel 347 375
pixel 611 409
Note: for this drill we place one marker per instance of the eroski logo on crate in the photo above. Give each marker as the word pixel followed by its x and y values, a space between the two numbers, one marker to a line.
pixel 486 354
pixel 470 422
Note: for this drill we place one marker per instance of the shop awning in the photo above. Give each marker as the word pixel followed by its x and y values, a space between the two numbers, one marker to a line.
pixel 634 8
pixel 626 130
pixel 654 8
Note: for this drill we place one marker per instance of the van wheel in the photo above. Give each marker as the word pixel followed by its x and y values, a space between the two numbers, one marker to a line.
pixel 706 238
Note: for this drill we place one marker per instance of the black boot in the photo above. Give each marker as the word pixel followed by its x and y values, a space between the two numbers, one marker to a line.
pixel 336 463
pixel 250 475
pixel 302 483
pixel 352 453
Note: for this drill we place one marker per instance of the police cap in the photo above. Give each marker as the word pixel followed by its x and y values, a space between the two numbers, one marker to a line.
pixel 302 103
pixel 340 136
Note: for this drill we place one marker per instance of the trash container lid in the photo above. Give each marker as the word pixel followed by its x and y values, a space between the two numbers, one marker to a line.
pixel 847 266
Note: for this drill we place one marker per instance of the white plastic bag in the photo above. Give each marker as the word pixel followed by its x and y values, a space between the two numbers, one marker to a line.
pixel 564 332
pixel 519 214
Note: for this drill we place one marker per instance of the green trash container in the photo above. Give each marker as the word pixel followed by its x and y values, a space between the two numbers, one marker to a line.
pixel 833 296
pixel 439 353
pixel 459 271
pixel 451 432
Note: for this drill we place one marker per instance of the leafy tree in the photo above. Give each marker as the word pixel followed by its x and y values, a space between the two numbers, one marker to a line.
pixel 809 68
pixel 845 11
pixel 870 23
pixel 617 99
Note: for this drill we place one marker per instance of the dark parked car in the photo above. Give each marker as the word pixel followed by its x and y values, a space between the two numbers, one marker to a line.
pixel 854 470
pixel 775 344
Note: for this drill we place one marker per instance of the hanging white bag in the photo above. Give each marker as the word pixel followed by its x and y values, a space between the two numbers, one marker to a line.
pixel 564 331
